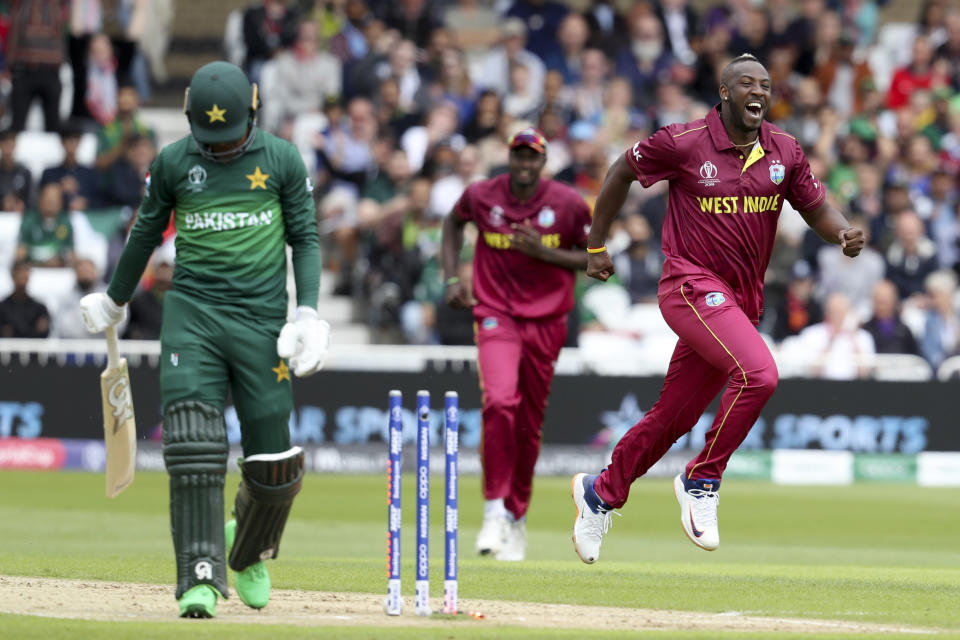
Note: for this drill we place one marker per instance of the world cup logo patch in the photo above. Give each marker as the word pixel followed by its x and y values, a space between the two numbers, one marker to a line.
pixel 777 172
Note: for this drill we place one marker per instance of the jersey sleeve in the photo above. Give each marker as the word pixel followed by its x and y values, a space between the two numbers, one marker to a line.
pixel 153 218
pixel 465 208
pixel 655 158
pixel 300 219
pixel 805 191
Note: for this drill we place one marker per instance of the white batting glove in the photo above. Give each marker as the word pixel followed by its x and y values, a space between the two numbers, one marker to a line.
pixel 305 341
pixel 100 312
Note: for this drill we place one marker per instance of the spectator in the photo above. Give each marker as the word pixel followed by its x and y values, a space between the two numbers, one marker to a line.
pixel 494 71
pixel 268 27
pixel 835 349
pixel 522 100
pixel 583 148
pixel 16 183
pixel 447 190
pixel 803 121
pixel 486 117
pixel 948 53
pixel 100 97
pixel 645 60
pixel 402 65
pixel 890 334
pixel 608 29
pixel 943 223
pixel 681 24
pixel 81 184
pixel 127 179
pixel 392 119
pixel 46 235
pixel 572 37
pixel 304 78
pixel 350 43
pixel 473 26
pixel 588 94
pixel 362 77
pixel 411 18
pixel 345 150
pixel 842 78
pixel 911 257
pixel 20 315
pixel 440 127
pixel 67 320
pixel 455 85
pixel 941 334
pixel 146 306
pixel 921 73
pixel 542 18
pixel 854 278
pixel 34 54
pixel 798 309
pixel 640 264
pixel 113 136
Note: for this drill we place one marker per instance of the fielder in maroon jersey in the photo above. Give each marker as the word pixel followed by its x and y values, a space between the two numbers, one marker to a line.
pixel 729 174
pixel 532 233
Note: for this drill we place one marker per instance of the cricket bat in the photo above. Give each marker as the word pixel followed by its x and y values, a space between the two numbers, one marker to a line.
pixel 119 427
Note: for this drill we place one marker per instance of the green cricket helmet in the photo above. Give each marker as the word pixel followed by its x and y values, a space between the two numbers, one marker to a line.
pixel 221 106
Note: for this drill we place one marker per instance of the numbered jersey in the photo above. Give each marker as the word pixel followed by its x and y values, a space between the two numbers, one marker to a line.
pixel 505 279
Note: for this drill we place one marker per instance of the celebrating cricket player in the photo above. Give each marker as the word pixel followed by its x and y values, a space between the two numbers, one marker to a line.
pixel 729 174
pixel 238 196
pixel 531 237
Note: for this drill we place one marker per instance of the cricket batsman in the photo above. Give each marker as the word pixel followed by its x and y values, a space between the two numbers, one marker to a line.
pixel 238 195
pixel 728 176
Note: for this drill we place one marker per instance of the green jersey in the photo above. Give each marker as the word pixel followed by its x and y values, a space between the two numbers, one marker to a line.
pixel 46 238
pixel 233 220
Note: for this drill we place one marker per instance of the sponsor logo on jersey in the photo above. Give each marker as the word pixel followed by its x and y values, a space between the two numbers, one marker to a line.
pixel 708 174
pixel 489 323
pixel 226 220
pixel 196 178
pixel 496 215
pixel 146 191
pixel 546 217
pixel 175 359
pixel 637 156
pixel 739 204
pixel 777 172
pixel 714 299
pixel 309 184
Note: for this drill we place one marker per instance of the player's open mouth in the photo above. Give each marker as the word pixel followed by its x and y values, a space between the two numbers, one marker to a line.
pixel 755 108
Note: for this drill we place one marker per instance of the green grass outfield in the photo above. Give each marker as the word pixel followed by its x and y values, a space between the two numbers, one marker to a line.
pixel 868 553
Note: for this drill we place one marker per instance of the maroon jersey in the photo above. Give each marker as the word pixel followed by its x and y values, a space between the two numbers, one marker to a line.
pixel 507 280
pixel 724 203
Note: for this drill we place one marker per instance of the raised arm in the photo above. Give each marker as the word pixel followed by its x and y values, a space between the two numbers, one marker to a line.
pixel 612 195
pixel 832 226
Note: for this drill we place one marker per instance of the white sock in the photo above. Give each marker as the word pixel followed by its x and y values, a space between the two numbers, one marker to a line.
pixel 494 508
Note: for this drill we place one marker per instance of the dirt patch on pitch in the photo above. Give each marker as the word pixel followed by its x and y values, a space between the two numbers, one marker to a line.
pixel 122 601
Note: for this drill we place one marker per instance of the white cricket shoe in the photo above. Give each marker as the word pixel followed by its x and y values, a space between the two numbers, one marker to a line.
pixel 698 510
pixel 492 534
pixel 590 526
pixel 515 543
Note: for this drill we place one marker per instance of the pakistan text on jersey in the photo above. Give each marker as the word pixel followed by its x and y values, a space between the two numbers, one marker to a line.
pixel 732 204
pixel 496 240
pixel 225 220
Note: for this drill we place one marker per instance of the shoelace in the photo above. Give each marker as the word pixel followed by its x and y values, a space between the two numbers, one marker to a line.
pixel 600 526
pixel 705 507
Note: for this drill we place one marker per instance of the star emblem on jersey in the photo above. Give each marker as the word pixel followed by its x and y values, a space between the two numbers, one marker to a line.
pixel 777 172
pixel 216 114
pixel 282 371
pixel 258 179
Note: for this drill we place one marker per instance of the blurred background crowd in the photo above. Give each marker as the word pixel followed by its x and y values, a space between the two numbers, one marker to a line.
pixel 397 105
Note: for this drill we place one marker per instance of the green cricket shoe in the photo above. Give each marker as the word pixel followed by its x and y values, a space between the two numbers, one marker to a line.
pixel 199 602
pixel 253 583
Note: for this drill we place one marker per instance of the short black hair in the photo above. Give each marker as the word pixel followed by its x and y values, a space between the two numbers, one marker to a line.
pixel 743 57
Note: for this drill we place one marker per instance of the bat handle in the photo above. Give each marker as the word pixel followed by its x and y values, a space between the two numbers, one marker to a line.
pixel 113 349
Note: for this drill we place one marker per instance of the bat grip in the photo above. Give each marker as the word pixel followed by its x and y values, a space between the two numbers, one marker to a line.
pixel 113 349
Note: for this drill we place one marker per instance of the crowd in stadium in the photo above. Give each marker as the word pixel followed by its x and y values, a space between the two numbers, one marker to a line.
pixel 397 105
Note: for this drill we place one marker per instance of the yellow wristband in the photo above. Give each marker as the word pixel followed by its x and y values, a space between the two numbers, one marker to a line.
pixel 596 249
pixel 453 280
